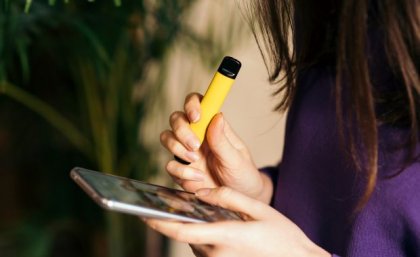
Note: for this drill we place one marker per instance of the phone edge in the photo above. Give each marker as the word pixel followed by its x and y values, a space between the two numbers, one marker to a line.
pixel 113 205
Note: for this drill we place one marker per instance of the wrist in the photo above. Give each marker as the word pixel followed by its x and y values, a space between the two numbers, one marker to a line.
pixel 266 190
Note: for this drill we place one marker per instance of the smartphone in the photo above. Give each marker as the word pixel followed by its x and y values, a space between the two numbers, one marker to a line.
pixel 147 200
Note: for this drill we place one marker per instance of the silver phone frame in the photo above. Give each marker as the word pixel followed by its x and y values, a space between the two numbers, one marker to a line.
pixel 118 206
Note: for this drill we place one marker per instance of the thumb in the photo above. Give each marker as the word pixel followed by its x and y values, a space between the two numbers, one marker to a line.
pixel 218 140
pixel 230 199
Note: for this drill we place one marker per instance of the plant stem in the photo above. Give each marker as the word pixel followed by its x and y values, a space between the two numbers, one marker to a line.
pixel 97 117
pixel 28 4
pixel 117 3
pixel 49 114
pixel 115 234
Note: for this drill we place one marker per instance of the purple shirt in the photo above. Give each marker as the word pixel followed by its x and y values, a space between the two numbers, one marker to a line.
pixel 317 187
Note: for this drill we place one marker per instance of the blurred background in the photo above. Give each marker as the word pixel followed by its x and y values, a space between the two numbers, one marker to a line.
pixel 92 84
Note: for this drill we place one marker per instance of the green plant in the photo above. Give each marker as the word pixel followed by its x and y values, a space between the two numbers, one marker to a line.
pixel 82 67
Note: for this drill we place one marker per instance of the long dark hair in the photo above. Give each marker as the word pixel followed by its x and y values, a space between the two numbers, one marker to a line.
pixel 338 30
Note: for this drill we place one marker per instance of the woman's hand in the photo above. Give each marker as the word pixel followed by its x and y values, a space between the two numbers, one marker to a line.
pixel 222 160
pixel 265 233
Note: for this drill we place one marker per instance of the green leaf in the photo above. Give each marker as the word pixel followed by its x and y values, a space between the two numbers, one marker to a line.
pixel 49 114
pixel 28 5
pixel 23 56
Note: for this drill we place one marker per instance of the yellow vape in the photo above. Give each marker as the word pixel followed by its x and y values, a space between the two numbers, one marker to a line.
pixel 215 96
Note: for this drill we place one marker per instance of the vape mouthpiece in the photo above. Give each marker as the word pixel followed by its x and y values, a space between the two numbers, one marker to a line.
pixel 229 67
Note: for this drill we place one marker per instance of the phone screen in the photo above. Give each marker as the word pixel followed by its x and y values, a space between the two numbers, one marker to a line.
pixel 148 200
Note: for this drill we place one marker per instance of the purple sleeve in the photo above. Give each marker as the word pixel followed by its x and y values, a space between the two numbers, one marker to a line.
pixel 335 255
pixel 271 172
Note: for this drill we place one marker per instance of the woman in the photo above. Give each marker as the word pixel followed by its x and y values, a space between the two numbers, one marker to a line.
pixel 348 181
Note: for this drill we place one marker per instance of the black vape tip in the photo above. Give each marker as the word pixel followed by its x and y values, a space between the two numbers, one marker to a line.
pixel 229 67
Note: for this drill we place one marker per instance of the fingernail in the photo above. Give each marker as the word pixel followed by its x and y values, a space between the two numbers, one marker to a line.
pixel 192 156
pixel 222 121
pixel 203 192
pixel 194 116
pixel 193 143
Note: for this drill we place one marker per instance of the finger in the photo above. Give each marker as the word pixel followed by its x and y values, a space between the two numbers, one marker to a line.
pixel 217 141
pixel 176 180
pixel 198 234
pixel 170 142
pixel 233 138
pixel 190 185
pixel 184 172
pixel 182 130
pixel 230 199
pixel 192 107
pixel 193 186
pixel 202 250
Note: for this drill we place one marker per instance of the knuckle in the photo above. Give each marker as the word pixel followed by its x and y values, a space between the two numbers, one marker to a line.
pixel 180 131
pixel 169 166
pixel 172 145
pixel 179 127
pixel 192 100
pixel 191 96
pixel 164 136
pixel 174 171
pixel 180 235
pixel 223 193
pixel 174 117
pixel 184 173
